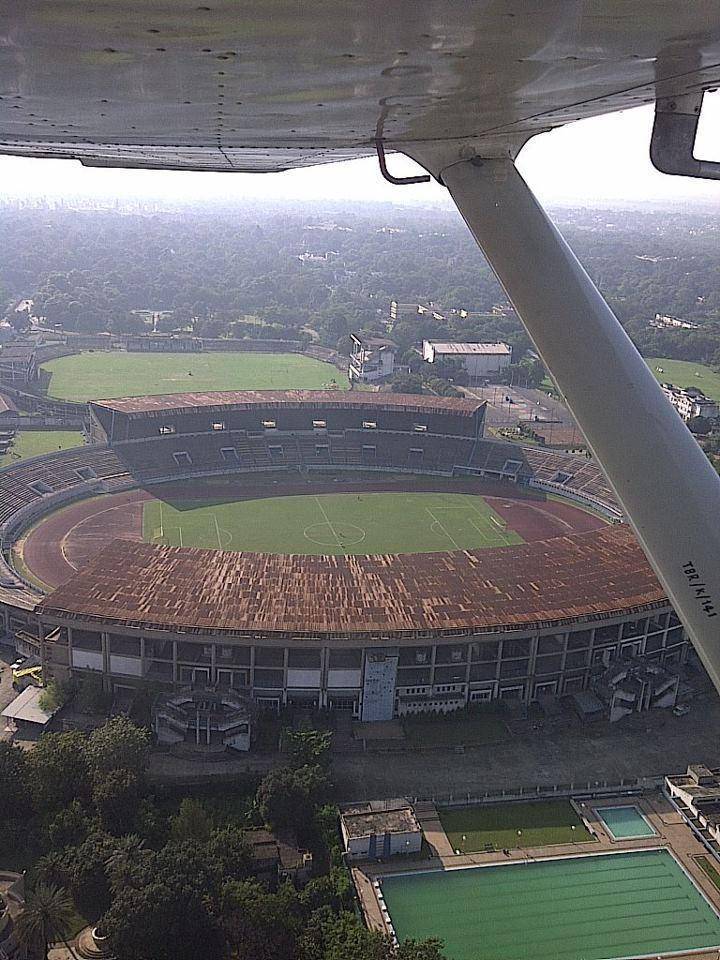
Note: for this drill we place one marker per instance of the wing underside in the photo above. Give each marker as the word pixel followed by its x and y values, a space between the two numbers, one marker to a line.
pixel 271 84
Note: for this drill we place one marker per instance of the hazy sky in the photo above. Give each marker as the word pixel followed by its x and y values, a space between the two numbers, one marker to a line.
pixel 605 159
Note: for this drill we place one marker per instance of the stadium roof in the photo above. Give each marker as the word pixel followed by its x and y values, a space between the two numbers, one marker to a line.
pixel 483 349
pixel 191 590
pixel 244 399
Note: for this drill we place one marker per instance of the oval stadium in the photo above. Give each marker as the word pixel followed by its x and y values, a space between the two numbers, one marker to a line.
pixel 366 552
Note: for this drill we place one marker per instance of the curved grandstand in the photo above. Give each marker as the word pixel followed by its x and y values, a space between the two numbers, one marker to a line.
pixel 379 635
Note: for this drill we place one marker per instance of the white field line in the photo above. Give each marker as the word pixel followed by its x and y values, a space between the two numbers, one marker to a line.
pixel 217 531
pixel 450 538
pixel 333 531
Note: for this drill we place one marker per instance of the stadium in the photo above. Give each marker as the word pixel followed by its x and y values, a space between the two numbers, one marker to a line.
pixel 134 557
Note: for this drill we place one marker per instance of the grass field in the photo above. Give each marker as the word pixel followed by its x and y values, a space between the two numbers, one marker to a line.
pixel 32 443
pixel 447 732
pixel 541 823
pixel 685 374
pixel 92 376
pixel 338 524
pixel 579 908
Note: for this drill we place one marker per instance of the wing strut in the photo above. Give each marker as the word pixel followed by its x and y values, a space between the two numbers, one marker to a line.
pixel 663 480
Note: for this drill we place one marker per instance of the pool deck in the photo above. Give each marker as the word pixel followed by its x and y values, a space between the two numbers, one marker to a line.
pixel 672 833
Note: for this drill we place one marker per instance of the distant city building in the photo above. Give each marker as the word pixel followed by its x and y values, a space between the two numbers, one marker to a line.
pixel 662 320
pixel 371 358
pixel 481 361
pixel 690 402
pixel 400 311
pixel 380 828
pixel 18 363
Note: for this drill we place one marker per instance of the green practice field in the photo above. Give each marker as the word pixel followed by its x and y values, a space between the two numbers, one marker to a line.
pixel 540 824
pixel 580 908
pixel 685 374
pixel 339 524
pixel 94 376
pixel 33 443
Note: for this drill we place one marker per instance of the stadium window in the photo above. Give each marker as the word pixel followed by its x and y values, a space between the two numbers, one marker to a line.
pixel 369 425
pixel 167 428
pixel 319 424
pixel 269 424
pixel 218 425
pixel 182 458
pixel 322 449
pixel 420 427
pixel 229 454
pixel 276 451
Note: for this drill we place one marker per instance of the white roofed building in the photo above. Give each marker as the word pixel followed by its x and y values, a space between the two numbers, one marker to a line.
pixel 481 361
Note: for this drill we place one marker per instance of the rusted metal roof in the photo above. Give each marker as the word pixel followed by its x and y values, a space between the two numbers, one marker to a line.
pixel 246 399
pixel 172 588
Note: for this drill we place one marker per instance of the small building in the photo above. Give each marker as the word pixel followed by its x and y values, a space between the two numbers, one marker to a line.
pixel 371 358
pixel 12 902
pixel 690 402
pixel 204 717
pixel 25 716
pixel 697 794
pixel 380 828
pixel 18 363
pixel 664 321
pixel 481 361
pixel 278 858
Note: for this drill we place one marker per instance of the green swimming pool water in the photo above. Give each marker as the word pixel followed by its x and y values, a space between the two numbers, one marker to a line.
pixel 625 822
pixel 580 908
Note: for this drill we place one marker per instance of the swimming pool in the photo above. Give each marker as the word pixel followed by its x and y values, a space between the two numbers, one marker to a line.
pixel 617 905
pixel 625 822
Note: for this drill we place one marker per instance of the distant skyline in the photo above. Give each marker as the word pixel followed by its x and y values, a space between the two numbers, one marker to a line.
pixel 599 161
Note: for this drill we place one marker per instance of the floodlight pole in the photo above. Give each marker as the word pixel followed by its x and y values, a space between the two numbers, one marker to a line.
pixel 667 487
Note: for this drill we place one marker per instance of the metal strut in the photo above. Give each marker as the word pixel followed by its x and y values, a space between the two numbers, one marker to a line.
pixel 669 490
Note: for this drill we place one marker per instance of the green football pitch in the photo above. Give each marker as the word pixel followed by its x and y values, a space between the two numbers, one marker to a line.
pixel 539 823
pixel 93 376
pixel 330 523
pixel 579 908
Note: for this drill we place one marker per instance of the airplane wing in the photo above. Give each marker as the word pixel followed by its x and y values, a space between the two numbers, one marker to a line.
pixel 266 85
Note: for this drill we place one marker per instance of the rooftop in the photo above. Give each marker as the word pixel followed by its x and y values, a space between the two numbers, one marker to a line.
pixel 26 707
pixel 246 399
pixel 189 589
pixel 379 816
pixel 486 349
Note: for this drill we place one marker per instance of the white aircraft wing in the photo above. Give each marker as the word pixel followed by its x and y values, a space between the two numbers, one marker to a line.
pixel 264 85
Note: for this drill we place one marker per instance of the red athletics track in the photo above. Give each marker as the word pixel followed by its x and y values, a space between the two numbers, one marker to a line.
pixel 62 543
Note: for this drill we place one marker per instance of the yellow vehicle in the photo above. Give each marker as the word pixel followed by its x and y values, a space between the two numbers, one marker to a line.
pixel 27 673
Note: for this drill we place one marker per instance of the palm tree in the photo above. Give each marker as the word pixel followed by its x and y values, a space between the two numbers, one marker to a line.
pixel 124 865
pixel 47 917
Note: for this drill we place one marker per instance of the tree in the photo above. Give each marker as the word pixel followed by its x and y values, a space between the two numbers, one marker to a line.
pixel 47 917
pixel 56 694
pixel 407 383
pixel 192 821
pixel 127 865
pixel 159 921
pixel 58 770
pixel 259 925
pixel 308 747
pixel 15 796
pixel 116 795
pixel 287 798
pixel 119 744
pixel 70 826
pixel 700 426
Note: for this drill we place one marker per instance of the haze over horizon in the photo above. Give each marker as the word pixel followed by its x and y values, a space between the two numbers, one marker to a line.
pixel 603 161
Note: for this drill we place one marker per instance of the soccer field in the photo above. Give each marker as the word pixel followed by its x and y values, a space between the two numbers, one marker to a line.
pixel 540 823
pixel 94 376
pixel 685 374
pixel 33 443
pixel 338 524
pixel 581 908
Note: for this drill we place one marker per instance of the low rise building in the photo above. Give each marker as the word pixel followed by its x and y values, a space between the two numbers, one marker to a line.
pixel 634 685
pixel 371 358
pixel 481 361
pixel 278 858
pixel 203 716
pixel 697 794
pixel 690 402
pixel 380 828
